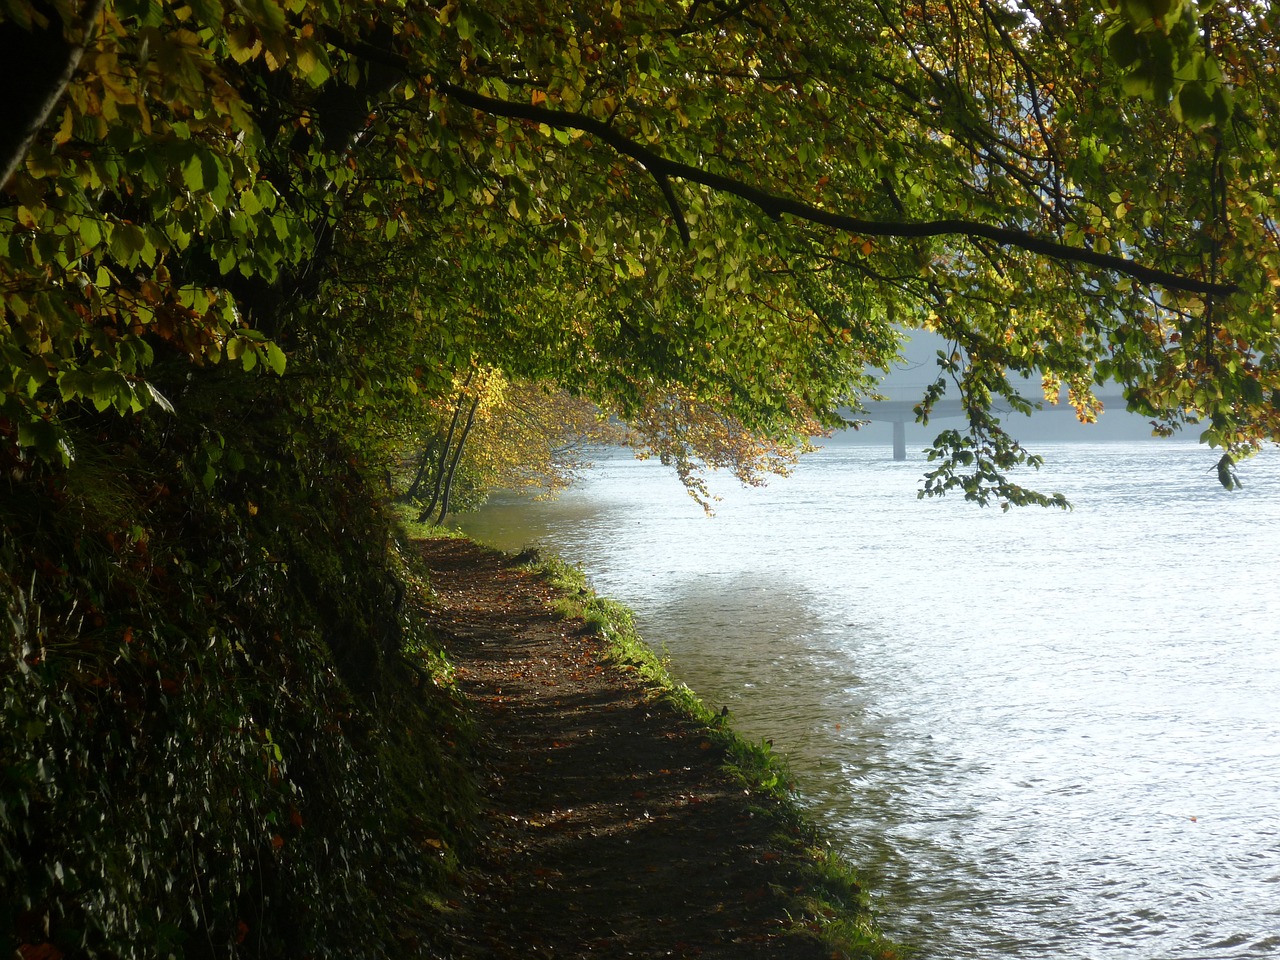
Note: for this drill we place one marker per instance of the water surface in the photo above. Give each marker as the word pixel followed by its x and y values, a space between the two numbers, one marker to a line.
pixel 1040 734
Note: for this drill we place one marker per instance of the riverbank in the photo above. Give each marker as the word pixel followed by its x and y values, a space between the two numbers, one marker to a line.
pixel 620 817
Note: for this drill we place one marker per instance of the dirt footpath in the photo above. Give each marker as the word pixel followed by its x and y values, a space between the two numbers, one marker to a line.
pixel 612 830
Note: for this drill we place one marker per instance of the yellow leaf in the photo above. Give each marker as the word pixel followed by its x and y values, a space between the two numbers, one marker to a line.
pixel 144 116
pixel 307 60
pixel 243 43
pixel 64 131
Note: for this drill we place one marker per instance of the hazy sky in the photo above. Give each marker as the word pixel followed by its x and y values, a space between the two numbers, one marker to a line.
pixel 919 368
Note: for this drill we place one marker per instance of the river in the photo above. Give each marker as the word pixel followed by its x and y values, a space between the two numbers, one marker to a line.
pixel 1039 734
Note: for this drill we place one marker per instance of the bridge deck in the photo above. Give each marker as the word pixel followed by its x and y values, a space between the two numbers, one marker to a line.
pixel 903 411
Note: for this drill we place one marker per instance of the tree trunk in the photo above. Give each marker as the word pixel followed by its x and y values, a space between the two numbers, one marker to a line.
pixel 425 514
pixel 457 455
pixel 424 464
pixel 35 68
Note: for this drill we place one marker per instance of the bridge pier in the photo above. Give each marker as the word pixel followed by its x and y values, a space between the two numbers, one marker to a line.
pixel 902 412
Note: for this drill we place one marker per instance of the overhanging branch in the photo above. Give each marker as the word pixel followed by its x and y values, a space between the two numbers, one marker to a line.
pixel 664 169
pixel 670 195
pixel 36 68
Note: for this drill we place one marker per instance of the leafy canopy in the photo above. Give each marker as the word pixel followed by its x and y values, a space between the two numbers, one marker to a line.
pixel 722 207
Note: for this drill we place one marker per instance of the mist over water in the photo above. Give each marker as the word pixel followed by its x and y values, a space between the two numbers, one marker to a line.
pixel 1040 734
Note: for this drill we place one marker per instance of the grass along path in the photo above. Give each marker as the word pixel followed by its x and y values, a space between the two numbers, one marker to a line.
pixel 613 826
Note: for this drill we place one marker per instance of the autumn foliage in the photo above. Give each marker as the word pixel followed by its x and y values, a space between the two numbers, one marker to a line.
pixel 253 255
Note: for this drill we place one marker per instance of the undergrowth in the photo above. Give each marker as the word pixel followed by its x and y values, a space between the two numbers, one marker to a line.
pixel 832 902
pixel 225 730
pixel 410 527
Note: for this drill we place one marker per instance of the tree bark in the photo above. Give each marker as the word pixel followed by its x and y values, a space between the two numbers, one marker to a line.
pixel 424 464
pixel 425 514
pixel 35 68
pixel 664 170
pixel 457 456
pixel 426 511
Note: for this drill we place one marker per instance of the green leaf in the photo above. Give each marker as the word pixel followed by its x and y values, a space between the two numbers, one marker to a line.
pixel 118 245
pixel 266 12
pixel 1250 390
pixel 313 62
pixel 208 12
pixel 108 389
pixel 1193 106
pixel 47 439
pixel 74 383
pixel 216 182
pixel 193 173
pixel 90 232
pixel 1123 45
pixel 275 359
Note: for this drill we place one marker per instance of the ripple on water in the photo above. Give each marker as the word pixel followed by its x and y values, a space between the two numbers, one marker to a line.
pixel 1040 734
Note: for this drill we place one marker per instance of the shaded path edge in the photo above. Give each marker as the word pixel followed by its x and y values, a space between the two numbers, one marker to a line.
pixel 620 817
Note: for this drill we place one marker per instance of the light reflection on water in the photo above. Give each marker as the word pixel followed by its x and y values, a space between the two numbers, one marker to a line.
pixel 1039 733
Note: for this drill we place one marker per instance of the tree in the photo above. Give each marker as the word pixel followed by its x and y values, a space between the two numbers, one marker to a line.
pixel 249 250
pixel 533 437
pixel 734 203
pixel 513 435
pixel 439 450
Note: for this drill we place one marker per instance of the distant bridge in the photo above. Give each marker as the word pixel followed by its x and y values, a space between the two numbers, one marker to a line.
pixel 899 409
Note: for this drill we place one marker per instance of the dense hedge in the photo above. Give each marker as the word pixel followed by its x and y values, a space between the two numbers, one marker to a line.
pixel 225 731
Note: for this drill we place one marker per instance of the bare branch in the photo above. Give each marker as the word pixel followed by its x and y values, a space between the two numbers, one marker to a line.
pixel 776 206
pixel 665 186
